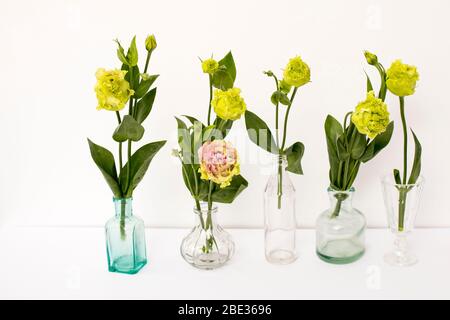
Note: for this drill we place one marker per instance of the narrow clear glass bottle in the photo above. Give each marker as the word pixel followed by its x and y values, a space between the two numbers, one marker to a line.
pixel 340 230
pixel 279 215
pixel 125 239
pixel 208 246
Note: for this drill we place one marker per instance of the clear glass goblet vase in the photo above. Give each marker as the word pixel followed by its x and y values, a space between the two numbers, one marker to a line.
pixel 208 246
pixel 402 205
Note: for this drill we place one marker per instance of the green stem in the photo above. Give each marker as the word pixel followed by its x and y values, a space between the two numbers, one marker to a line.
pixel 286 118
pixel 210 99
pixel 277 109
pixel 120 143
pixel 147 61
pixel 280 180
pixel 405 139
pixel 340 197
pixel 122 219
pixel 211 185
pixel 130 103
pixel 401 208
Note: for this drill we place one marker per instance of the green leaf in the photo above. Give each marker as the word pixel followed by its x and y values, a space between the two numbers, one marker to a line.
pixel 121 53
pixel 342 152
pixel 230 193
pixel 280 97
pixel 369 83
pixel 224 78
pixel 128 129
pixel 333 130
pixel 294 156
pixel 144 86
pixel 259 133
pixel 230 66
pixel 397 178
pixel 104 160
pixel 134 73
pixel 225 125
pixel 193 120
pixel 145 105
pixel 140 161
pixel 189 173
pixel 359 145
pixel 184 141
pixel 417 164
pixel 132 54
pixel 378 144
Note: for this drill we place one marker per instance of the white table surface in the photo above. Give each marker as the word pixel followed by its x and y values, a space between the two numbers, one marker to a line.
pixel 70 263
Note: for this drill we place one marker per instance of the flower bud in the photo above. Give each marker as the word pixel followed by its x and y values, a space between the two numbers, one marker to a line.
pixel 150 43
pixel 371 58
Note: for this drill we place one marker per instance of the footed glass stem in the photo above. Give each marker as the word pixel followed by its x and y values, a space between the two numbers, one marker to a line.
pixel 340 230
pixel 400 256
pixel 279 215
pixel 125 239
pixel 208 246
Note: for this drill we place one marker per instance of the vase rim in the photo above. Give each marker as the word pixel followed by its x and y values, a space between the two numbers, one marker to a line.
pixel 204 208
pixel 122 199
pixel 388 180
pixel 351 190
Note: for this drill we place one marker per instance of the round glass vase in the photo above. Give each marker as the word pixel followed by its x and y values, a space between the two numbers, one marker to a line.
pixel 208 246
pixel 340 230
pixel 402 204
pixel 125 239
pixel 279 215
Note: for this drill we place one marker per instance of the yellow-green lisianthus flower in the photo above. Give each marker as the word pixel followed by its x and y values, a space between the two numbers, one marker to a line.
pixel 210 66
pixel 150 43
pixel 371 58
pixel 228 105
pixel 401 79
pixel 284 86
pixel 371 116
pixel 297 72
pixel 112 90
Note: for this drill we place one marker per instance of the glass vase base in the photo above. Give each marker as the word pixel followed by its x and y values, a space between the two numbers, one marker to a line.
pixel 400 259
pixel 281 257
pixel 208 261
pixel 340 252
pixel 126 264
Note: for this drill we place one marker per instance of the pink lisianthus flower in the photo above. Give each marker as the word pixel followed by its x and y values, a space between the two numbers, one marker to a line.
pixel 218 162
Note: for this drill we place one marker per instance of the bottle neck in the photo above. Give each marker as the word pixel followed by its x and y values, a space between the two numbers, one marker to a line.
pixel 342 199
pixel 123 207
pixel 280 160
pixel 206 218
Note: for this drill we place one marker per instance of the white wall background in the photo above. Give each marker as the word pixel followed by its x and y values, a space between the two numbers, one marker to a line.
pixel 50 50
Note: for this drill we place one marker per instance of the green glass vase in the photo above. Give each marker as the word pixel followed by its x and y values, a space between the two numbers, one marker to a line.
pixel 125 239
pixel 340 230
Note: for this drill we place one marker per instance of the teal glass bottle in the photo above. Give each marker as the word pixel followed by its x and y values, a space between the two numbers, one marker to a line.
pixel 125 239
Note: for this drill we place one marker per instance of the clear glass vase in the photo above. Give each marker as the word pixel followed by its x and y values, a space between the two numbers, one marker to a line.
pixel 125 239
pixel 208 246
pixel 402 204
pixel 279 215
pixel 340 230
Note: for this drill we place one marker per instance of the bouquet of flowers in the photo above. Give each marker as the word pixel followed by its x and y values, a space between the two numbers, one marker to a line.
pixel 114 89
pixel 210 165
pixel 358 140
pixel 295 75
